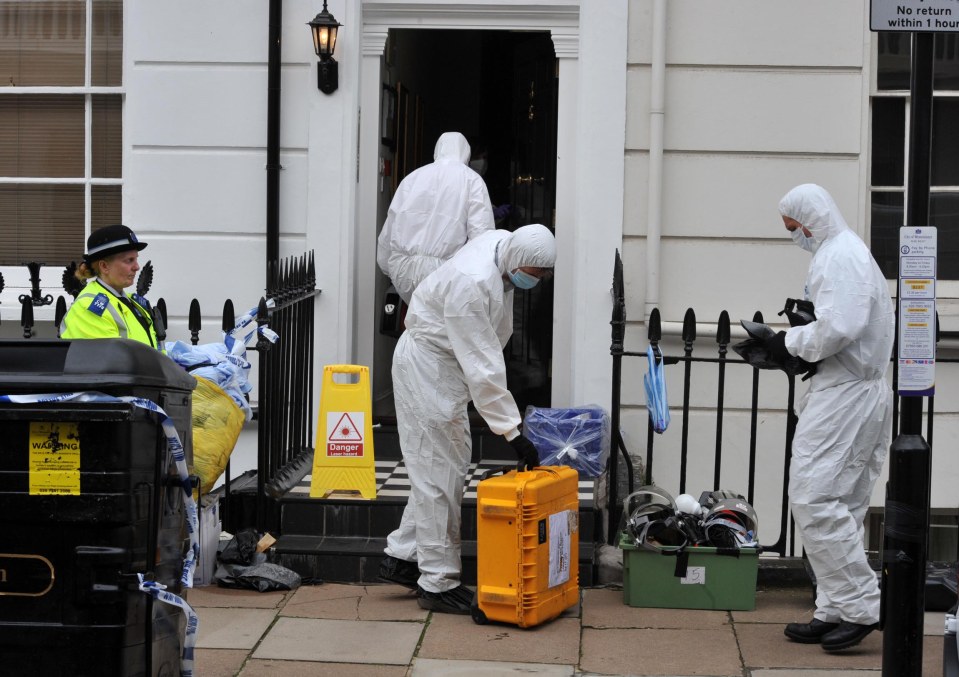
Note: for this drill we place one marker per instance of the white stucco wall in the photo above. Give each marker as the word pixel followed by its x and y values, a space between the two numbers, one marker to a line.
pixel 759 97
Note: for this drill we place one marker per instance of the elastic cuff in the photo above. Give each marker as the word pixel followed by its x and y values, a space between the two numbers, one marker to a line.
pixel 512 435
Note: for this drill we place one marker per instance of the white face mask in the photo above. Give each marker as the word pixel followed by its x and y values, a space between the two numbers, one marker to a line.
pixel 807 243
pixel 478 166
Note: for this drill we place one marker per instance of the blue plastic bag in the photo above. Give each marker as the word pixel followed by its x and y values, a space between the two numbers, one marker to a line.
pixel 656 401
pixel 578 438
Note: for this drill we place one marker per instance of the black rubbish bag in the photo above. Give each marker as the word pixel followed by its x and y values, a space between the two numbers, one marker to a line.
pixel 241 548
pixel 261 576
pixel 239 565
pixel 753 350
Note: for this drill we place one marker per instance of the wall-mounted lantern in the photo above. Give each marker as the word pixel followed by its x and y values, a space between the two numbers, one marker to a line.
pixel 324 27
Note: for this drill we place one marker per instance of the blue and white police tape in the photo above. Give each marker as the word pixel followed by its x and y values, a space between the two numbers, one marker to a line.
pixel 179 457
pixel 158 591
pixel 244 329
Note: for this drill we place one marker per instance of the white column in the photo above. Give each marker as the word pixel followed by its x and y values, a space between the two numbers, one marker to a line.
pixel 364 282
pixel 566 46
pixel 600 169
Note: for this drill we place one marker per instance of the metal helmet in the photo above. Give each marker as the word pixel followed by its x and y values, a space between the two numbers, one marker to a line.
pixel 731 523
pixel 651 522
pixel 708 499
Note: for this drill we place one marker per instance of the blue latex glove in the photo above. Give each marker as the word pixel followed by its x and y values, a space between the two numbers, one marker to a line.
pixel 501 212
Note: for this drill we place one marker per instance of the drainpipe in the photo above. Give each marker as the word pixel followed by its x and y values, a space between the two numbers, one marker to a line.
pixel 657 113
pixel 273 137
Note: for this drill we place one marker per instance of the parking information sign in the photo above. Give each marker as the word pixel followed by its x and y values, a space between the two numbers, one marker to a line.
pixel 917 310
pixel 914 15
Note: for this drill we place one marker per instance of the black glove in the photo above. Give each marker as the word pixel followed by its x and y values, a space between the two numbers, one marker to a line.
pixel 799 312
pixel 525 451
pixel 776 347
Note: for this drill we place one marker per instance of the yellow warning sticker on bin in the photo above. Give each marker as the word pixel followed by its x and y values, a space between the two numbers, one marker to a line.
pixel 54 459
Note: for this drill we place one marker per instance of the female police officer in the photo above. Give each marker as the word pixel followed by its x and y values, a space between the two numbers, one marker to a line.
pixel 103 309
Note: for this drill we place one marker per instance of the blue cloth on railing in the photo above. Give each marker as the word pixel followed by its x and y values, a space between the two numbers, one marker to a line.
pixel 225 363
pixel 656 400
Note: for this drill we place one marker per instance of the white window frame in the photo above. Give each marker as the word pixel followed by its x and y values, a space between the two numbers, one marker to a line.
pixel 17 278
pixel 946 290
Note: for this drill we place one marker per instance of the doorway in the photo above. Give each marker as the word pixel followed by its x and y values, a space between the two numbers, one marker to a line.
pixel 499 88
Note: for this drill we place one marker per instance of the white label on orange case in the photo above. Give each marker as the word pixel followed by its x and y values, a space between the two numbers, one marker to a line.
pixel 560 549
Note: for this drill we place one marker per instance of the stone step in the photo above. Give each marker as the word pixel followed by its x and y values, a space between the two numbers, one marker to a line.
pixel 350 559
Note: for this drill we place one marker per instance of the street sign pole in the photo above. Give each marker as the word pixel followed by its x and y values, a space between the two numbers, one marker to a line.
pixel 908 489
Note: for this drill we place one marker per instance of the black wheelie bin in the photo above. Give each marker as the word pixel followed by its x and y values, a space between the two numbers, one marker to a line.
pixel 90 496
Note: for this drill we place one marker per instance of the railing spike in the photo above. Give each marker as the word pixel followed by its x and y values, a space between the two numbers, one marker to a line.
pixel 655 330
pixel 26 315
pixel 722 329
pixel 194 321
pixel 59 313
pixel 229 316
pixel 161 307
pixel 689 326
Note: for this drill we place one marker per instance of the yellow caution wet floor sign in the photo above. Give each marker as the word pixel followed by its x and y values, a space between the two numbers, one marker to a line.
pixel 343 459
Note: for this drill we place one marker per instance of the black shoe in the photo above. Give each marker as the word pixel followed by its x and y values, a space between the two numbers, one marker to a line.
pixel 455 601
pixel 809 633
pixel 399 571
pixel 846 635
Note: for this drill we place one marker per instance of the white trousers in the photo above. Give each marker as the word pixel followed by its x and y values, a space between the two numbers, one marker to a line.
pixel 431 416
pixel 839 448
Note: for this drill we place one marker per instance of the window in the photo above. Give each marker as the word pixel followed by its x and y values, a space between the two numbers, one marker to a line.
pixel 60 126
pixel 890 153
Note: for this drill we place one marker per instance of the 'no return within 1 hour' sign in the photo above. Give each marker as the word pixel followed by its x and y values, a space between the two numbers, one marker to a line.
pixel 914 15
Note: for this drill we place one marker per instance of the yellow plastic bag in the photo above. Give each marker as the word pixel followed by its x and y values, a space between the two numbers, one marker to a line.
pixel 217 422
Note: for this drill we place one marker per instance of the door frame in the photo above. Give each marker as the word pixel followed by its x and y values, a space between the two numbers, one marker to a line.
pixel 592 86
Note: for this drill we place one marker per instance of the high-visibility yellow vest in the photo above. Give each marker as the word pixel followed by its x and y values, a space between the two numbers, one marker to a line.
pixel 97 313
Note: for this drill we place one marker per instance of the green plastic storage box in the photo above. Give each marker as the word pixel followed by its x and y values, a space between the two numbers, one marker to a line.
pixel 714 579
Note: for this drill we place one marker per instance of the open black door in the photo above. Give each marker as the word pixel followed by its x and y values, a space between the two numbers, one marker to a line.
pixel 533 199
pixel 499 89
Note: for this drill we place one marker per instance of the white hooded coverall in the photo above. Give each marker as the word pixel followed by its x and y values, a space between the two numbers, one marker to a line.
pixel 435 211
pixel 845 419
pixel 452 352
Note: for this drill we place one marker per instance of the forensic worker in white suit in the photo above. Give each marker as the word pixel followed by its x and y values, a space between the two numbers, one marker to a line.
pixel 845 418
pixel 457 326
pixel 436 210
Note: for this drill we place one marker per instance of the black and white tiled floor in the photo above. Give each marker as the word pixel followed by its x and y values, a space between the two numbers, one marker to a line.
pixel 392 481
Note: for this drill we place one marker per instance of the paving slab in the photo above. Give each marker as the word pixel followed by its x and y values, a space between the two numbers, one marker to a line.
pixel 211 595
pixel 765 646
pixel 339 641
pixel 779 605
pixel 429 667
pixel 355 602
pixel 228 628
pixel 604 608
pixel 218 662
pixel 815 673
pixel 934 623
pixel 271 668
pixel 459 638
pixel 656 651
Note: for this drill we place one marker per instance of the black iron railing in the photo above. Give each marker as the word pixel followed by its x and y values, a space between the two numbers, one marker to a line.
pixel 283 405
pixel 759 465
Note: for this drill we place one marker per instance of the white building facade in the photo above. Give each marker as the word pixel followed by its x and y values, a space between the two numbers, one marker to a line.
pixel 679 124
